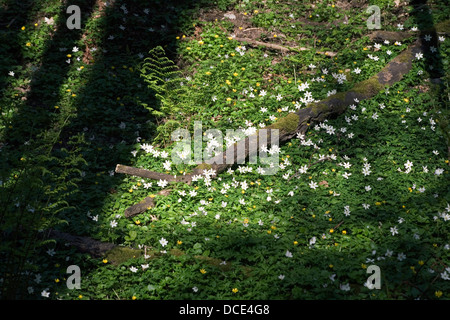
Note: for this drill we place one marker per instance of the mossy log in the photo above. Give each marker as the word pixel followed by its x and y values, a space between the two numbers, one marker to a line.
pixel 116 255
pixel 88 245
pixel 292 124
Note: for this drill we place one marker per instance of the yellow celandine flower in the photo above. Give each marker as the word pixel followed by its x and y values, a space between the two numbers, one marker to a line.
pixel 133 298
pixel 188 48
pixel 378 203
pixel 330 265
pixel 216 36
pixel 331 230
pixel 23 28
pixel 28 44
pixel 200 42
pixel 80 296
pixel 295 243
pixel 344 232
pixel 137 222
pixel 208 73
pixel 69 56
pixel 235 74
pixel 105 261
pixel 179 242
pixel 228 99
pixel 438 293
pixel 421 262
pixel 235 290
pixel 363 266
pixel 56 280
pixel 255 11
pixel 203 271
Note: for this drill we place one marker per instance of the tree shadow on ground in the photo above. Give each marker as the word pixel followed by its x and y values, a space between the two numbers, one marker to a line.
pixel 88 125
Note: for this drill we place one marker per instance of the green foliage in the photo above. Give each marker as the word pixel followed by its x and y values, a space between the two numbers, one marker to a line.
pixel 163 79
pixel 64 126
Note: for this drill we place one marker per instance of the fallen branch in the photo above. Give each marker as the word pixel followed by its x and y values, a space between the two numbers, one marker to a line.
pixel 116 254
pixel 281 48
pixel 144 205
pixel 84 244
pixel 265 44
pixel 143 173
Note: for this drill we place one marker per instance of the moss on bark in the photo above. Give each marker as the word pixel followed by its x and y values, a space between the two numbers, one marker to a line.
pixel 119 255
pixel 288 124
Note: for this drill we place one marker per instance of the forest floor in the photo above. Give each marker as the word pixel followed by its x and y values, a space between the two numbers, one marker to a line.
pixel 366 190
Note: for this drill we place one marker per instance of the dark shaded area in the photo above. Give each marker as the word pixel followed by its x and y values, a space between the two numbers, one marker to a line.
pixel 59 141
pixel 425 22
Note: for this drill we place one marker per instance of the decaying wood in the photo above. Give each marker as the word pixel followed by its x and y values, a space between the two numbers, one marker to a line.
pixel 151 174
pixel 278 47
pixel 84 244
pixel 381 35
pixel 147 203
pixel 265 44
